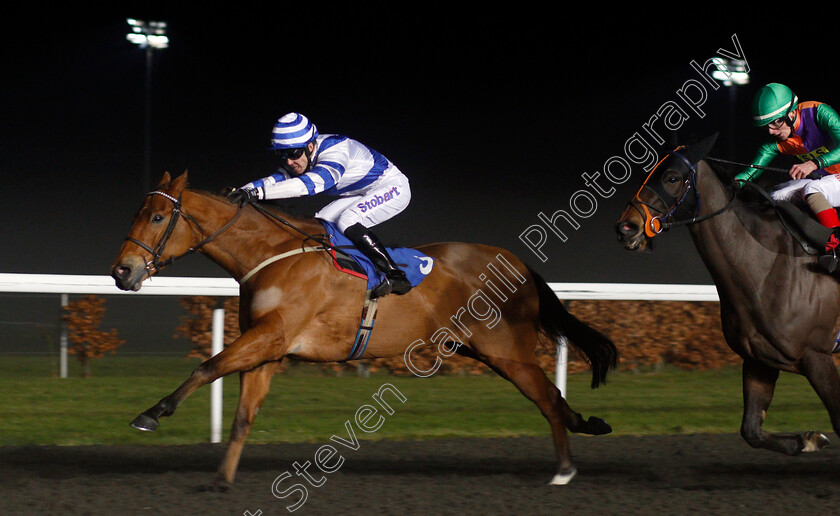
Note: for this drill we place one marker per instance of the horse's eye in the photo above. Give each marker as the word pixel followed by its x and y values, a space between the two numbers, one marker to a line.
pixel 157 217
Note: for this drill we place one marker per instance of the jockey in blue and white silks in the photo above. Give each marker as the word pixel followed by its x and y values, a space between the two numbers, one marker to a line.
pixel 370 188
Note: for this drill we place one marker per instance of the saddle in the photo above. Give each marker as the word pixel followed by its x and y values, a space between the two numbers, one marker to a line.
pixel 347 258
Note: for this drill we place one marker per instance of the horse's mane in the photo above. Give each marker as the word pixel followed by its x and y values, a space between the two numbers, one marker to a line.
pixel 273 207
pixel 206 193
pixel 755 196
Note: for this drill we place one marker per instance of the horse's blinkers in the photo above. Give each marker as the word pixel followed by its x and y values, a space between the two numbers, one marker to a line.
pixel 670 198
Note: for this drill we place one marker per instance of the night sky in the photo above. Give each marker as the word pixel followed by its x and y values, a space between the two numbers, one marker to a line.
pixel 494 118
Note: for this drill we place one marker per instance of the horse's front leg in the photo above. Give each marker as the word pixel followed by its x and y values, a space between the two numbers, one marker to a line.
pixel 254 386
pixel 822 374
pixel 759 383
pixel 261 344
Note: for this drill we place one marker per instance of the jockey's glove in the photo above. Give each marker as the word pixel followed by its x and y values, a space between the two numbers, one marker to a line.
pixel 243 195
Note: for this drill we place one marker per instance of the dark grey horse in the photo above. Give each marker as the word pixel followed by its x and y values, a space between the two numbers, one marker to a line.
pixel 779 312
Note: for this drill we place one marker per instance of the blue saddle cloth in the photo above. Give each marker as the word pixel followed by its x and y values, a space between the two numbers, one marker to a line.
pixel 415 264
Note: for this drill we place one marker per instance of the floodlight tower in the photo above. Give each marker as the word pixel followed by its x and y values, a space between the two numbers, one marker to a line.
pixel 150 36
pixel 731 73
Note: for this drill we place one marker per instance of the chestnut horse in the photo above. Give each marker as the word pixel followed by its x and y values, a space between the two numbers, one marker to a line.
pixel 779 312
pixel 302 307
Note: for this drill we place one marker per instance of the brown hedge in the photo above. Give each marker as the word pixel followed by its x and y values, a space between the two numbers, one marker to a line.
pixel 648 334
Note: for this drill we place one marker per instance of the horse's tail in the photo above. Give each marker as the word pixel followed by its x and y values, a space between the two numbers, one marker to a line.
pixel 556 322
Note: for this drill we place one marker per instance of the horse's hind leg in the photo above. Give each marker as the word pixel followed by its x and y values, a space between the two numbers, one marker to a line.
pixel 535 385
pixel 254 385
pixel 573 420
pixel 759 383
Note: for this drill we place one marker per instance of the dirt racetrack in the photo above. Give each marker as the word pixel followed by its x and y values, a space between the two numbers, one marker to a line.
pixel 688 474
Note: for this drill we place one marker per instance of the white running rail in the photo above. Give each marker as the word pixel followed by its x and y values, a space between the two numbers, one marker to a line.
pixel 228 287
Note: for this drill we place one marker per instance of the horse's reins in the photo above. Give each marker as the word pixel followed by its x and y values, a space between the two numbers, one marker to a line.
pixel 748 165
pixel 317 238
pixel 656 224
pixel 155 263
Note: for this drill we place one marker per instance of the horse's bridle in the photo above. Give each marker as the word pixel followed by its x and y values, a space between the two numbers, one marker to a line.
pixel 664 219
pixel 655 224
pixel 155 263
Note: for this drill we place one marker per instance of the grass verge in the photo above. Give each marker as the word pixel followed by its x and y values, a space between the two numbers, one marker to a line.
pixel 39 408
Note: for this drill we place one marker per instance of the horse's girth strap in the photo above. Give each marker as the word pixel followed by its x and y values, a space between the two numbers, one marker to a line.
pixel 273 259
pixel 369 310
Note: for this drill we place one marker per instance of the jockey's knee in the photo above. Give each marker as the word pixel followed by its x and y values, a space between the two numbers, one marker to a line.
pixel 788 195
pixel 828 186
pixel 814 187
pixel 347 219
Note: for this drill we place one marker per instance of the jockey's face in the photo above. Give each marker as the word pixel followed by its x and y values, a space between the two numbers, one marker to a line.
pixel 779 129
pixel 299 165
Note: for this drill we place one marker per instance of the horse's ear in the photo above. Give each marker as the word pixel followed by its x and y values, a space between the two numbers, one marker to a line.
pixel 697 151
pixel 178 185
pixel 164 180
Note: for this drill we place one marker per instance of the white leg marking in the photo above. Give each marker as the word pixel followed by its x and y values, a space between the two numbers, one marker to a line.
pixel 814 441
pixel 561 479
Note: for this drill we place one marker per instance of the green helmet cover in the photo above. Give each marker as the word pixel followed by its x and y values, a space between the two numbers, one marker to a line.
pixel 772 102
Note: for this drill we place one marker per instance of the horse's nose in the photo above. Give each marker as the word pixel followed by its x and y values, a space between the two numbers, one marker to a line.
pixel 120 272
pixel 626 229
pixel 127 277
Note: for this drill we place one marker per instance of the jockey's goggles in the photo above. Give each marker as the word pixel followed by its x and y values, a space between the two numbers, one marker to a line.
pixel 778 123
pixel 292 154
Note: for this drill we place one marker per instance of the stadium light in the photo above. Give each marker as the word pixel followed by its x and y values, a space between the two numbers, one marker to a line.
pixel 731 73
pixel 150 36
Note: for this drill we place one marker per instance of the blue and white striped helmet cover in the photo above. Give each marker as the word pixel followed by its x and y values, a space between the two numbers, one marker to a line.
pixel 291 131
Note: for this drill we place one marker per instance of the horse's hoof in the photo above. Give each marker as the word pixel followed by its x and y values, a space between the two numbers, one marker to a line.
pixel 814 441
pixel 219 485
pixel 145 423
pixel 597 426
pixel 563 478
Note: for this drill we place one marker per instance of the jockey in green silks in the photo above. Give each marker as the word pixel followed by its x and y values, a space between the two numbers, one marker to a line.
pixel 810 131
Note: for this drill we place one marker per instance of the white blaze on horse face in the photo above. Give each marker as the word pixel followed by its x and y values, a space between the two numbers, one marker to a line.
pixel 266 300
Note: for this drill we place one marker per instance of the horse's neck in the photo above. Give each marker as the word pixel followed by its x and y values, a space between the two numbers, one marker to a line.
pixel 731 243
pixel 250 240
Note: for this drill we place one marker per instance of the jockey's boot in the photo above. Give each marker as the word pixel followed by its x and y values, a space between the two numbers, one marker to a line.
pixel 830 261
pixel 395 280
